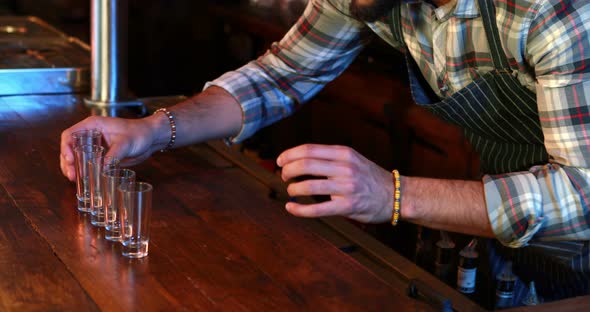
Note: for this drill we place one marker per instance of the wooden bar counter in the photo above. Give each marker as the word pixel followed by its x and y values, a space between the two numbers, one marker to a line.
pixel 218 241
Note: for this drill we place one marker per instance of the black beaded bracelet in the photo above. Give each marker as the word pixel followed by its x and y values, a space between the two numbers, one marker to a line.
pixel 172 127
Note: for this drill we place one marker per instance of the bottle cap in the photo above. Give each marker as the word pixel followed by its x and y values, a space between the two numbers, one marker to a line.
pixel 469 250
pixel 506 274
pixel 445 241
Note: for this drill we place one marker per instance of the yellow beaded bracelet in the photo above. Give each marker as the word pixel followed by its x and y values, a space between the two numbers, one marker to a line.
pixel 397 196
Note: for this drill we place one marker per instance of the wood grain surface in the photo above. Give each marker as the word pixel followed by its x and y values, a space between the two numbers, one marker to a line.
pixel 218 242
pixel 29 268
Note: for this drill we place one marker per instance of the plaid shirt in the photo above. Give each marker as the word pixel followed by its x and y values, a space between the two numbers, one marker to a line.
pixel 548 45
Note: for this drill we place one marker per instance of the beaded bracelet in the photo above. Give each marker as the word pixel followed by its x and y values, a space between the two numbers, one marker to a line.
pixel 172 122
pixel 397 196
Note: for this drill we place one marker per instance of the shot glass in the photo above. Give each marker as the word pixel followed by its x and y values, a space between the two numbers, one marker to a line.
pixel 83 155
pixel 87 137
pixel 80 138
pixel 135 215
pixel 111 179
pixel 97 167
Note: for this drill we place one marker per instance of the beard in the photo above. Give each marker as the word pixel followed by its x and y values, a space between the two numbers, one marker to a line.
pixel 371 11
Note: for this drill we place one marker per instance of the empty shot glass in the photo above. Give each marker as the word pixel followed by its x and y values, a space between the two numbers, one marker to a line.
pixel 87 137
pixel 111 180
pixel 83 155
pixel 97 166
pixel 135 215
pixel 80 138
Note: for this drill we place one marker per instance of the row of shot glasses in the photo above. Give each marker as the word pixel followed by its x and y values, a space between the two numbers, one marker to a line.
pixel 111 195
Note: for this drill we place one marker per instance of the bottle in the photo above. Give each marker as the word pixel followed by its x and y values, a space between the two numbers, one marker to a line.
pixel 467 269
pixel 532 298
pixel 443 260
pixel 505 281
pixel 419 248
pixel 423 249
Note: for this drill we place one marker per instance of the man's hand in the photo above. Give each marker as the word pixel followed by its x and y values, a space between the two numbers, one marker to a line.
pixel 130 140
pixel 359 189
pixel 211 114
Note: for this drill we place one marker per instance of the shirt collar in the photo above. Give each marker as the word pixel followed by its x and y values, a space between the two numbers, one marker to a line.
pixel 466 9
pixel 463 8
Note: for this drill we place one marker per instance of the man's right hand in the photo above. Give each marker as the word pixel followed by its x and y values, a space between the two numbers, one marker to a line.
pixel 211 114
pixel 130 140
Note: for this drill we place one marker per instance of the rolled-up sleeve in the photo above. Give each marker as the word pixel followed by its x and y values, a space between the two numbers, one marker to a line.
pixel 551 201
pixel 316 49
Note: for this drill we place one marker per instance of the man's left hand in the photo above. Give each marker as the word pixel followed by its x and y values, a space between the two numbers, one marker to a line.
pixel 359 189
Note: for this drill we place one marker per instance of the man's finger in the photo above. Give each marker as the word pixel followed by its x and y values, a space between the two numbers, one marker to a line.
pixel 315 167
pixel 66 168
pixel 319 187
pixel 317 151
pixel 116 151
pixel 132 161
pixel 66 160
pixel 120 151
pixel 66 146
pixel 328 208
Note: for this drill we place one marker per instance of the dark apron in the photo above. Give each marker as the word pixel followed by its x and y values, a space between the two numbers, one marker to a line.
pixel 500 118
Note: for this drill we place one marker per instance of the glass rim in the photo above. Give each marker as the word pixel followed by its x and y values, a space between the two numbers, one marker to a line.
pixel 95 148
pixel 107 161
pixel 142 187
pixel 110 173
pixel 112 158
pixel 93 133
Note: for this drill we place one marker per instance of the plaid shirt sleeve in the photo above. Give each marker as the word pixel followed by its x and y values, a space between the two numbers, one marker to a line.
pixel 316 49
pixel 551 202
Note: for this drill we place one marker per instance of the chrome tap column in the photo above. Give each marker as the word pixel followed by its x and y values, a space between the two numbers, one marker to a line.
pixel 109 54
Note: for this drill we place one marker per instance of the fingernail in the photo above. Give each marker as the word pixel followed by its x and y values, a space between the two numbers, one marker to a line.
pixel 68 158
pixel 280 162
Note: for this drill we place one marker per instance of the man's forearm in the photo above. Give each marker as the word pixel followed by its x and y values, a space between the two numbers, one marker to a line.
pixel 451 205
pixel 211 114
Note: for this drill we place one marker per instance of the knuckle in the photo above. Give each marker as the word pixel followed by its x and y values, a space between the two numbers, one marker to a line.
pixel 341 148
pixel 345 150
pixel 92 122
pixel 352 205
pixel 91 119
pixel 307 149
pixel 349 171
pixel 312 187
pixel 346 203
pixel 350 187
pixel 305 188
pixel 352 155
pixel 305 164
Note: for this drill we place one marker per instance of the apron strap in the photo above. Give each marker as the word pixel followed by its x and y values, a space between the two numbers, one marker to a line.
pixel 488 14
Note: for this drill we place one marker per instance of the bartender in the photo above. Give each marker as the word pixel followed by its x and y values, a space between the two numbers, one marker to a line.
pixel 514 74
